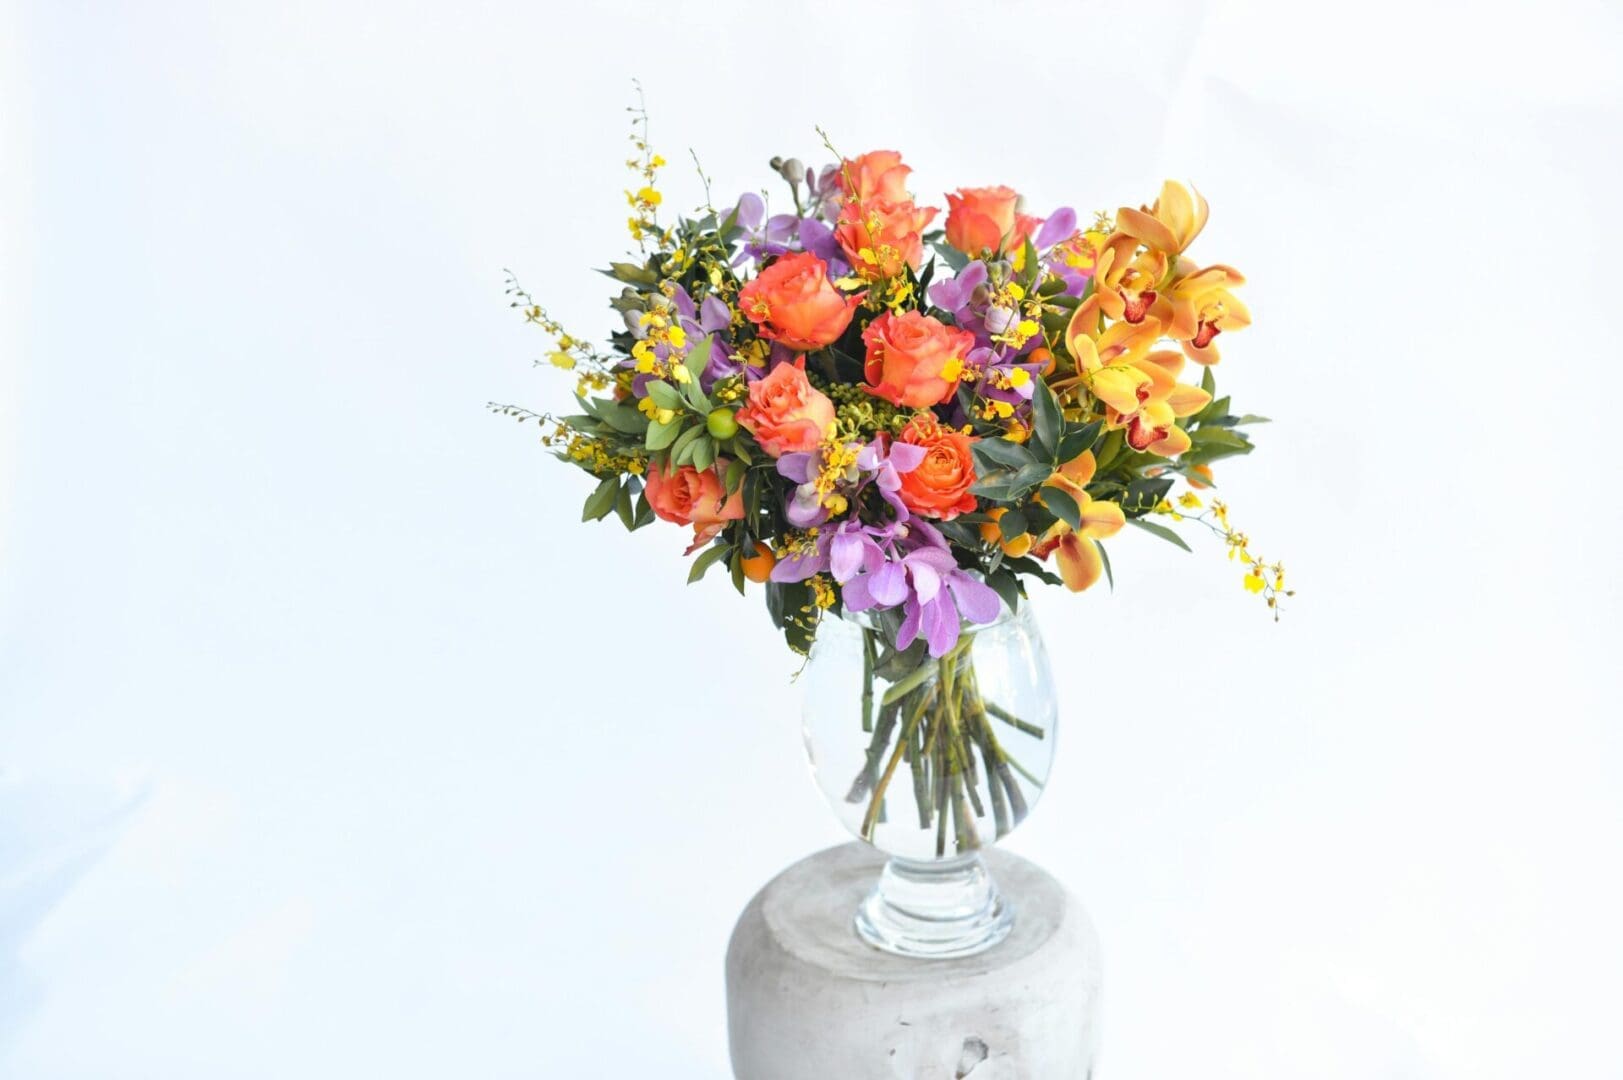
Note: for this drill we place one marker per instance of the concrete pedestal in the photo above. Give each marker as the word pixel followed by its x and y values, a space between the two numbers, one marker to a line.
pixel 808 1000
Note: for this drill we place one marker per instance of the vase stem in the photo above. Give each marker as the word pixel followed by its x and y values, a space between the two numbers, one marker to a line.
pixel 944 908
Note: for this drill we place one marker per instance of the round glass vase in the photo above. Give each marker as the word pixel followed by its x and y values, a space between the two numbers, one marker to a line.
pixel 930 759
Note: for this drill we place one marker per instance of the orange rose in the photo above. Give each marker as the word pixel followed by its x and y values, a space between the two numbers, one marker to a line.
pixel 914 359
pixel 878 174
pixel 785 413
pixel 888 232
pixel 987 219
pixel 686 496
pixel 939 487
pixel 793 302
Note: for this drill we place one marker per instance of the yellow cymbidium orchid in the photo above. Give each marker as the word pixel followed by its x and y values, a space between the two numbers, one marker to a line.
pixel 1124 281
pixel 1152 426
pixel 1106 363
pixel 1170 225
pixel 1077 550
pixel 1199 305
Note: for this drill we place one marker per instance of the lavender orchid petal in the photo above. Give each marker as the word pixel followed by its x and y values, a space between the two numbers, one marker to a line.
pixel 889 584
pixel 905 457
pixel 977 600
pixel 926 580
pixel 1059 226
pixel 857 595
pixel 795 466
pixel 845 555
pixel 751 209
pixel 941 625
pixel 683 303
pixel 714 315
pixel 909 630
pixel 805 508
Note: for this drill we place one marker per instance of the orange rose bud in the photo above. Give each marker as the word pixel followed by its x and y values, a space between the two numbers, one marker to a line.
pixel 939 487
pixel 785 412
pixel 686 496
pixel 914 359
pixel 882 238
pixel 1045 357
pixel 758 567
pixel 878 174
pixel 1205 474
pixel 793 302
pixel 987 219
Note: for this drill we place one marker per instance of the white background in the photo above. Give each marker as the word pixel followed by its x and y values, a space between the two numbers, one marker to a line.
pixel 331 744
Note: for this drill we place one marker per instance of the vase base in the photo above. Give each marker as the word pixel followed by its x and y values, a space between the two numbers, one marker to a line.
pixel 935 910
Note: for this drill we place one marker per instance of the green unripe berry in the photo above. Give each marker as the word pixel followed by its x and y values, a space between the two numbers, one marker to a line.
pixel 721 423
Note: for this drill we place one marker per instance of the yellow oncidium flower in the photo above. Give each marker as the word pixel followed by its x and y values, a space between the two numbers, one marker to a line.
pixel 1171 224
pixel 1077 550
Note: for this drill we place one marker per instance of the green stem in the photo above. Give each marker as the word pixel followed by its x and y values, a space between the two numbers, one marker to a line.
pixel 867 679
pixel 877 800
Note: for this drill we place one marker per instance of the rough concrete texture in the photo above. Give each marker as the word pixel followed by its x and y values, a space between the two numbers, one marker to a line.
pixel 808 1000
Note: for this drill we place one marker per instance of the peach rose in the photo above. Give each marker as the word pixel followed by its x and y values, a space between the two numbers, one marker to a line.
pixel 889 232
pixel 914 359
pixel 987 219
pixel 785 413
pixel 686 496
pixel 876 175
pixel 939 487
pixel 793 302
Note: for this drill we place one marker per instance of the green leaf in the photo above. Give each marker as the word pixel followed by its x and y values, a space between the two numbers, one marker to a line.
pixel 740 450
pixel 662 435
pixel 992 454
pixel 682 449
pixel 1208 382
pixel 698 357
pixel 632 274
pixel 1064 507
pixel 1012 524
pixel 735 475
pixel 695 396
pixel 1076 440
pixel 735 567
pixel 1250 418
pixel 622 506
pixel 1050 422
pixel 644 513
pixel 664 394
pixel 1003 583
pixel 1104 557
pixel 1157 529
pixel 1214 410
pixel 704 451
pixel 1216 436
pixel 707 558
pixel 601 501
pixel 625 419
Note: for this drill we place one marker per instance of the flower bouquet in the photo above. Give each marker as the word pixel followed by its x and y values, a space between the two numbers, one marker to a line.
pixel 896 424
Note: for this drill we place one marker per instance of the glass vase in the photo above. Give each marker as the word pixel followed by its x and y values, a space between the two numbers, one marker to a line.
pixel 929 760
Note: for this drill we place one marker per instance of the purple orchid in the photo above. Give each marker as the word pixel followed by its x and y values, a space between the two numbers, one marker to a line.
pixel 935 594
pixel 905 563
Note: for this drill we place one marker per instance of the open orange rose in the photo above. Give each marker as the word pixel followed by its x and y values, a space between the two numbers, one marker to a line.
pixel 883 238
pixel 785 413
pixel 939 487
pixel 987 219
pixel 914 359
pixel 876 175
pixel 686 496
pixel 793 302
